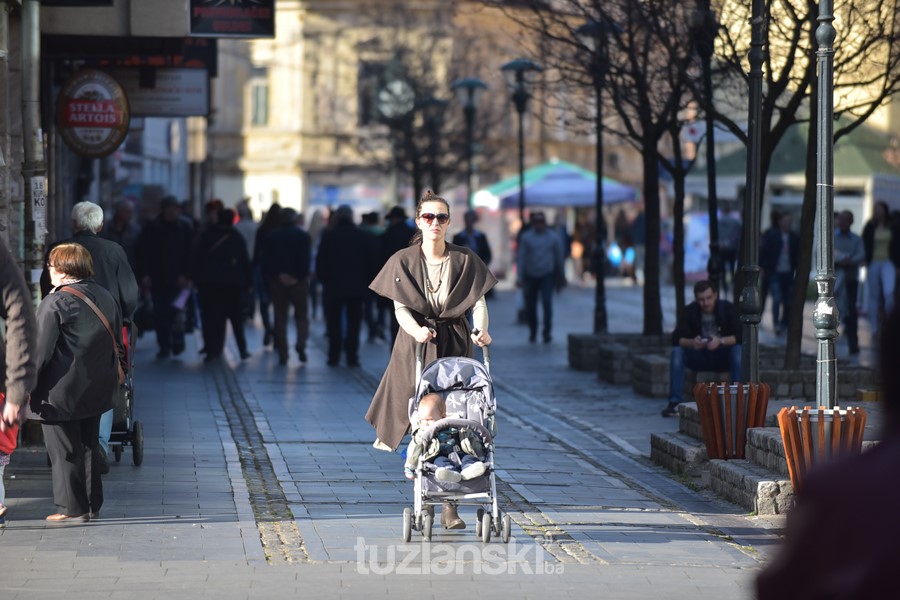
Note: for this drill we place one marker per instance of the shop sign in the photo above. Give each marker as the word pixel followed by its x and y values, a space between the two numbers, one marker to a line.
pixel 92 113
pixel 232 18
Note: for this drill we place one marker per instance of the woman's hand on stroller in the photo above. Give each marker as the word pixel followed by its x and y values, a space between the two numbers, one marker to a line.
pixel 425 334
pixel 481 337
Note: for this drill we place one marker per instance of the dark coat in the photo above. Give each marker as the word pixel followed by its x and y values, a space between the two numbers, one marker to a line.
pixel 396 237
pixel 727 320
pixel 111 270
pixel 164 252
pixel 482 249
pixel 346 261
pixel 18 353
pixel 770 249
pixel 221 258
pixel 285 249
pixel 868 236
pixel 402 280
pixel 76 358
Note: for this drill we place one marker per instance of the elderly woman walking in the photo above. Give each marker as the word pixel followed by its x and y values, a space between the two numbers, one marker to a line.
pixel 79 344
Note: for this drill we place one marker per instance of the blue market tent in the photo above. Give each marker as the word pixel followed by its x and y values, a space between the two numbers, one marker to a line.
pixel 555 184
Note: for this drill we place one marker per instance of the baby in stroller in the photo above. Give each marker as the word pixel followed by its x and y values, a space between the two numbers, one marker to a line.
pixel 456 453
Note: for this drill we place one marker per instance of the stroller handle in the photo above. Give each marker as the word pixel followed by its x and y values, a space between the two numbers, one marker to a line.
pixel 420 358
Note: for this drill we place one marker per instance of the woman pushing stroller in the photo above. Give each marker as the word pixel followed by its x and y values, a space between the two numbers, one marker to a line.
pixel 433 285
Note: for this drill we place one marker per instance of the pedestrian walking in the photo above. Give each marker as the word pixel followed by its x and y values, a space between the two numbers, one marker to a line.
pixel 778 252
pixel 374 311
pixel 540 270
pixel 396 237
pixel 17 358
pixel 881 241
pixel 849 255
pixel 113 272
pixel 222 274
pixel 122 229
pixel 475 240
pixel 270 222
pixel 345 264
pixel 246 226
pixel 434 286
pixel 285 268
pixel 78 318
pixel 164 268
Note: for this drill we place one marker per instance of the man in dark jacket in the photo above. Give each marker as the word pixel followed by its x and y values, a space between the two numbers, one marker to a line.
pixel 164 267
pixel 285 266
pixel 222 274
pixel 474 239
pixel 112 271
pixel 708 338
pixel 778 251
pixel 345 265
pixel 396 237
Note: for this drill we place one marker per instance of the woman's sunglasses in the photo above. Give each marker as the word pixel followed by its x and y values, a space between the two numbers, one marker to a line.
pixel 429 217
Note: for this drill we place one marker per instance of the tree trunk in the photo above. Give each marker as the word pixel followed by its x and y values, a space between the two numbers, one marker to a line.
pixel 652 304
pixel 678 278
pixel 804 254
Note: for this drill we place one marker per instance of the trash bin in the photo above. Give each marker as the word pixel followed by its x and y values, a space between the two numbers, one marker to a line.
pixel 812 437
pixel 726 412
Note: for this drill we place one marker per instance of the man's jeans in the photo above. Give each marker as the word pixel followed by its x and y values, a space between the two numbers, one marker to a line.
pixel 532 287
pixel 106 423
pixel 723 358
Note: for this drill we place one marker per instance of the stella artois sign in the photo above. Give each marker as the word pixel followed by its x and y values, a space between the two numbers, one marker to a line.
pixel 92 113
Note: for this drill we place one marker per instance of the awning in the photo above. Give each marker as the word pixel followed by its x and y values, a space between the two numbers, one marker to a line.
pixel 554 184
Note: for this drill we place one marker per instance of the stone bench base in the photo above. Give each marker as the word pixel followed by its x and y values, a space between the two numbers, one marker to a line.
pixel 679 453
pixel 750 486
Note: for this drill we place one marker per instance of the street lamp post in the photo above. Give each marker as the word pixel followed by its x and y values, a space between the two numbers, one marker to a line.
pixel 517 72
pixel 705 28
pixel 825 313
pixel 469 90
pixel 751 302
pixel 593 35
pixel 433 113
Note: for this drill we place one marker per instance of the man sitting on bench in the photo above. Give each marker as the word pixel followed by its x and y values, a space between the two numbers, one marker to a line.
pixel 708 338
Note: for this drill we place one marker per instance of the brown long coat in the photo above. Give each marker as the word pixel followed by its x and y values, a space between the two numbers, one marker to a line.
pixel 401 279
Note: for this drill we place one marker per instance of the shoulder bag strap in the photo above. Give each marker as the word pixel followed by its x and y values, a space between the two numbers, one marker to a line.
pixel 96 310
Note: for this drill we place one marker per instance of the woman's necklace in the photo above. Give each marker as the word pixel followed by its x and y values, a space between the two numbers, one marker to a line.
pixel 433 288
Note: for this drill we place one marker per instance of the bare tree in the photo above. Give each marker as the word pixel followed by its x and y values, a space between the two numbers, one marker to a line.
pixel 411 122
pixel 867 75
pixel 650 54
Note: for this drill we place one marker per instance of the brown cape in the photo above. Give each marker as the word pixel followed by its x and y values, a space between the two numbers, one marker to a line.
pixel 402 280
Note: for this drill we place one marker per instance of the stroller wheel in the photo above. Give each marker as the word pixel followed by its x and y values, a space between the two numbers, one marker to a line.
pixel 505 526
pixel 486 527
pixel 137 449
pixel 479 514
pixel 407 524
pixel 427 524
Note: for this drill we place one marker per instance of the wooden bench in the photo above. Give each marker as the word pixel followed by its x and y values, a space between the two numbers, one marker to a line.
pixel 815 436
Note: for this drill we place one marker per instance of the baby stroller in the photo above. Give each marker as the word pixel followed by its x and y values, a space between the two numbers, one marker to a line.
pixel 466 386
pixel 125 430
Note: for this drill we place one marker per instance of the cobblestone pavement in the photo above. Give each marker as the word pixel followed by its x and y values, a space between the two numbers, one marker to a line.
pixel 260 480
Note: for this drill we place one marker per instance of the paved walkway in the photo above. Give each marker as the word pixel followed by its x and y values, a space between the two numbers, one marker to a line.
pixel 260 480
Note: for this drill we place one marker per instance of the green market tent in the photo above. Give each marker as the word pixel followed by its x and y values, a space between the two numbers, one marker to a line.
pixel 555 184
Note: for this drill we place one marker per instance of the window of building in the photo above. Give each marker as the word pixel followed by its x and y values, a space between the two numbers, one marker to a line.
pixel 259 98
